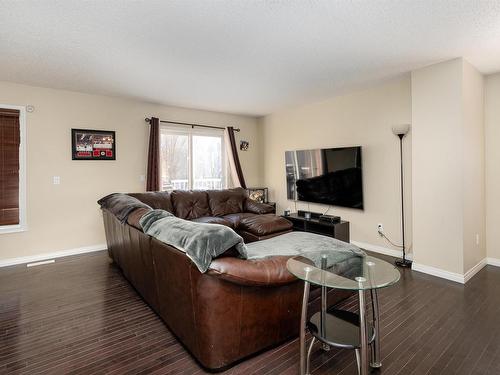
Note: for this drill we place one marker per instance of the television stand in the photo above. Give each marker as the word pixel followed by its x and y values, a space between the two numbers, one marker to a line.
pixel 339 230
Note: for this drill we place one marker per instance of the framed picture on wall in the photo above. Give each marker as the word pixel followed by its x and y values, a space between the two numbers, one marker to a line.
pixel 87 144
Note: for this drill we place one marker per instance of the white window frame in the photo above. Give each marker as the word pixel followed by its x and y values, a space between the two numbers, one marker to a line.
pixel 23 224
pixel 193 131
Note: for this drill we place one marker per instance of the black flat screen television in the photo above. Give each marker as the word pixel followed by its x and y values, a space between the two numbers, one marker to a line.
pixel 331 176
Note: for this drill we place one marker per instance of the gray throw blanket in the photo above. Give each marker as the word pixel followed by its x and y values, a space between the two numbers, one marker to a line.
pixel 200 241
pixel 121 205
pixel 308 245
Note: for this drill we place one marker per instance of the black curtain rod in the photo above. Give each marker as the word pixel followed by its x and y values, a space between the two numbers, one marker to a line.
pixel 189 124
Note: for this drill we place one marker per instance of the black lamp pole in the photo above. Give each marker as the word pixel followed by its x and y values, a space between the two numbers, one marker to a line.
pixel 402 262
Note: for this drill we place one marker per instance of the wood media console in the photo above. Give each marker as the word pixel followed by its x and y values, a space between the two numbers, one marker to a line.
pixel 338 230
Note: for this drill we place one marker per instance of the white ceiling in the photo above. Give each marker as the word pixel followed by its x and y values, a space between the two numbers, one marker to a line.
pixel 248 57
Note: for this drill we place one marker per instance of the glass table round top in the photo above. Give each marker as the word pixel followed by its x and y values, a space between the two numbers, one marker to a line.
pixel 354 273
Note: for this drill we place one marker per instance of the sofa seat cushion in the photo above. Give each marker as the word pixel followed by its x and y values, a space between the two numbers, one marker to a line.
pixel 258 208
pixel 235 219
pixel 229 201
pixel 190 204
pixel 214 220
pixel 250 237
pixel 262 225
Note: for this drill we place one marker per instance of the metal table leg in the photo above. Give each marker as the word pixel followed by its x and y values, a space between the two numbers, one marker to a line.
pixel 358 363
pixel 303 320
pixel 375 351
pixel 308 359
pixel 363 334
pixel 324 303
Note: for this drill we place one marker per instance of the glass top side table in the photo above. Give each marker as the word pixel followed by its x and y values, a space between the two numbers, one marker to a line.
pixel 335 327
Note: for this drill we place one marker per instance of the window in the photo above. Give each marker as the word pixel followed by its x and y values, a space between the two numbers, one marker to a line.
pixel 192 159
pixel 12 169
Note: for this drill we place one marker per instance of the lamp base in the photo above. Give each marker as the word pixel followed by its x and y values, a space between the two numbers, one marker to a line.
pixel 405 263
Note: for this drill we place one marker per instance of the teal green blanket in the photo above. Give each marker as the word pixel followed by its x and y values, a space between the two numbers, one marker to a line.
pixel 308 245
pixel 200 241
pixel 203 242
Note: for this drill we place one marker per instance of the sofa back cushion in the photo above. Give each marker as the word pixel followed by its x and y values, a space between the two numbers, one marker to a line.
pixel 225 202
pixel 190 204
pixel 156 199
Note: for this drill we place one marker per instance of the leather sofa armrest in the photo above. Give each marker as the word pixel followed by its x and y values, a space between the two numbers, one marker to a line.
pixel 135 216
pixel 262 272
pixel 257 208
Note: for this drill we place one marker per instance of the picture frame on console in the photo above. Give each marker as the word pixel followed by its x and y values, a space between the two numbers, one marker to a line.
pixel 258 194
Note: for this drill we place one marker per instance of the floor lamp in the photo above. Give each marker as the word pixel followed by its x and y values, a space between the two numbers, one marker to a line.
pixel 401 131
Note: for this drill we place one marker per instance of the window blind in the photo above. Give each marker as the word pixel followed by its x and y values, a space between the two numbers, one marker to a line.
pixel 10 138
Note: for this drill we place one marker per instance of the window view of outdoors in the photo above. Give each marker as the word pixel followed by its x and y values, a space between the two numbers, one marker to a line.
pixel 205 156
pixel 174 162
pixel 207 162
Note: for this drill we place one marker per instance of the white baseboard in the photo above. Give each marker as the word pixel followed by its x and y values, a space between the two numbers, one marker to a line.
pixel 381 249
pixel 57 254
pixel 478 267
pixel 459 278
pixel 453 276
pixel 493 262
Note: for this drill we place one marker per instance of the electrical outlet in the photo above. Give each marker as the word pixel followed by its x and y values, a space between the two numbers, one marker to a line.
pixel 380 229
pixel 477 239
pixel 56 180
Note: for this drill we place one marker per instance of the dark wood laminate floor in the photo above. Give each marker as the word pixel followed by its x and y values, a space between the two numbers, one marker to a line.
pixel 80 316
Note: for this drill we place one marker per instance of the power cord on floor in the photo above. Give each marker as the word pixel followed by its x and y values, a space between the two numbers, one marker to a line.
pixel 382 234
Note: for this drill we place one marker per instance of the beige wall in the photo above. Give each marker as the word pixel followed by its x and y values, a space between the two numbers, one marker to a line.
pixel 448 166
pixel 473 166
pixel 446 126
pixel 363 118
pixel 492 130
pixel 437 159
pixel 66 216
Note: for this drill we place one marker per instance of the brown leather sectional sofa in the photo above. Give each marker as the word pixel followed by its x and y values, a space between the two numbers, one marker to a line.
pixel 231 207
pixel 236 309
